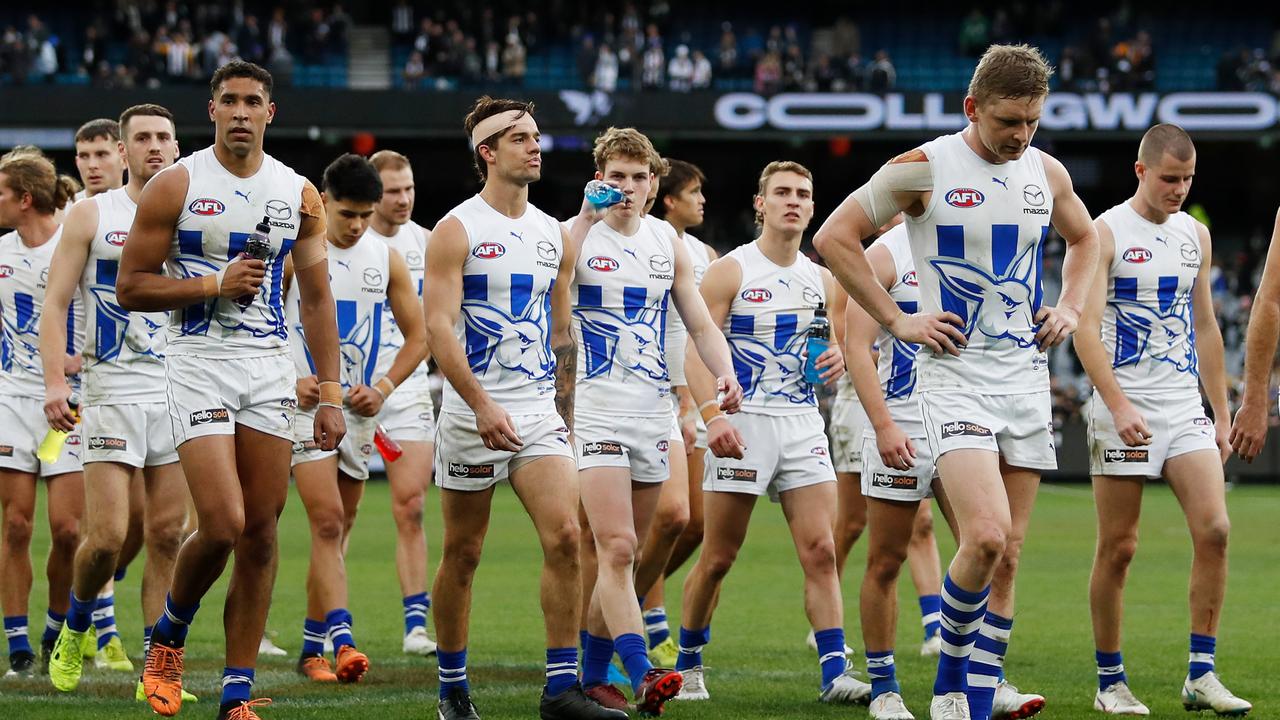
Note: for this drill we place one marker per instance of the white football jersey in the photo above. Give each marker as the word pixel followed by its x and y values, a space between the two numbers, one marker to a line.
pixel 896 366
pixel 410 240
pixel 1148 327
pixel 218 215
pixel 978 251
pixel 767 328
pixel 677 335
pixel 505 323
pixel 24 276
pixel 124 355
pixel 622 294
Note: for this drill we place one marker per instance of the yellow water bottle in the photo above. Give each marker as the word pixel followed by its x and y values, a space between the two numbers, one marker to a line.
pixel 51 447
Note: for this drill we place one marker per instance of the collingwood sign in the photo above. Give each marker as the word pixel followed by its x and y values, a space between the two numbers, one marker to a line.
pixel 849 112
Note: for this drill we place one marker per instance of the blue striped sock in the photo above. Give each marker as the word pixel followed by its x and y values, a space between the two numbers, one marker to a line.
pixel 831 653
pixel 596 657
pixel 415 611
pixel 174 622
pixel 931 614
pixel 104 619
pixel 1110 669
pixel 985 662
pixel 15 631
pixel 80 616
pixel 1201 660
pixel 691 644
pixel 120 573
pixel 237 684
pixel 146 639
pixel 339 624
pixel 313 633
pixel 634 653
pixel 883 673
pixel 655 625
pixel 962 612
pixel 562 669
pixel 453 671
pixel 52 625
pixel 582 639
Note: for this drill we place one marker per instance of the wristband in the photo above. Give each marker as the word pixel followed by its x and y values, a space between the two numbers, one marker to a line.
pixel 211 284
pixel 717 416
pixel 709 410
pixel 331 394
pixel 384 386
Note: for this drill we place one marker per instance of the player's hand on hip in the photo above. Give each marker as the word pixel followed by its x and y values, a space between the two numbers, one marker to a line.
pixel 895 448
pixel 1056 325
pixel 57 408
pixel 364 400
pixel 831 363
pixel 1249 431
pixel 242 277
pixel 723 438
pixel 941 333
pixel 329 428
pixel 1222 437
pixel 730 393
pixel 308 390
pixel 1131 426
pixel 497 429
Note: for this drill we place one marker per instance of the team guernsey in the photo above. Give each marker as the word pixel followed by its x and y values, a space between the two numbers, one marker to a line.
pixel 407 414
pixel 677 336
pixel 767 325
pixel 504 326
pixel 1148 331
pixel 622 297
pixel 978 250
pixel 24 272
pixel 358 277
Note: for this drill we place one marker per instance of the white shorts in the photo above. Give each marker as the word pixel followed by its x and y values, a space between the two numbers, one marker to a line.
pixel 848 423
pixel 882 482
pixel 22 427
pixel 210 396
pixel 1018 426
pixel 1178 426
pixel 408 416
pixel 639 444
pixel 137 435
pixel 353 452
pixel 784 452
pixel 462 461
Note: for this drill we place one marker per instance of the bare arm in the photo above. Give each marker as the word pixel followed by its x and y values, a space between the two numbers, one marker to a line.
pixel 719 286
pixel 707 337
pixel 319 316
pixel 1071 219
pixel 1249 431
pixel 442 305
pixel 1213 366
pixel 562 342
pixel 407 312
pixel 65 270
pixel 861 330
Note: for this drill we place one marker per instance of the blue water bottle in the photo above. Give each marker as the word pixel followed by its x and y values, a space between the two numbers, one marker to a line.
pixel 819 339
pixel 602 195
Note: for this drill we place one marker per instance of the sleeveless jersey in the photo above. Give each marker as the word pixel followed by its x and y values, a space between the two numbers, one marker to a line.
pixel 358 276
pixel 410 241
pixel 896 366
pixel 24 274
pixel 1147 325
pixel 677 336
pixel 124 358
pixel 767 325
pixel 218 215
pixel 505 322
pixel 622 293
pixel 978 251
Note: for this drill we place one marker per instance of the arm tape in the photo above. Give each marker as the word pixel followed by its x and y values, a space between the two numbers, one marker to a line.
pixel 309 252
pixel 876 196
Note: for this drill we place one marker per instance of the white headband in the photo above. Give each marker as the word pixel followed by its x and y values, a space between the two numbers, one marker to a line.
pixel 495 124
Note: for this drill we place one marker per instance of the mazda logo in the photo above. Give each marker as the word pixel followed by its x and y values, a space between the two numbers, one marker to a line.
pixel 1033 195
pixel 278 210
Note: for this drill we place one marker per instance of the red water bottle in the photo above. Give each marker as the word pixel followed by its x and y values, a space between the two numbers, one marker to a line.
pixel 389 449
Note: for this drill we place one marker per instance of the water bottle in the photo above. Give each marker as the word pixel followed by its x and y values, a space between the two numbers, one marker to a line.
pixel 51 446
pixel 819 339
pixel 389 449
pixel 258 247
pixel 602 195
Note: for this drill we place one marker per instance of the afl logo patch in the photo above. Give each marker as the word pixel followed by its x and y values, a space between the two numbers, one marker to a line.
pixel 964 198
pixel 664 445
pixel 603 263
pixel 910 279
pixel 1136 255
pixel 117 238
pixel 6 271
pixel 206 207
pixel 489 251
pixel 757 295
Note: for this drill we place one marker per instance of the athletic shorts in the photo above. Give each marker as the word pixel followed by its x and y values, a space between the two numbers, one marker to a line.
pixel 137 435
pixel 784 452
pixel 882 482
pixel 1178 426
pixel 407 415
pixel 1018 426
pixel 848 423
pixel 462 461
pixel 638 444
pixel 22 427
pixel 210 396
pixel 353 452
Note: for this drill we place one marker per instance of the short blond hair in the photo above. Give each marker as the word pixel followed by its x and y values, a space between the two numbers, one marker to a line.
pixel 388 160
pixel 628 143
pixel 773 168
pixel 1010 71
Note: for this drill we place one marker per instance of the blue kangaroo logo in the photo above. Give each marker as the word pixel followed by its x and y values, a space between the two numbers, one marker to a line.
pixel 1000 302
pixel 637 344
pixel 1165 337
pixel 774 372
pixel 135 331
pixel 519 343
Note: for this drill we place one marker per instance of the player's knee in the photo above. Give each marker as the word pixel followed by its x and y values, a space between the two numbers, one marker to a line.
pixel 617 550
pixel 462 556
pixel 1118 551
pixel 257 544
pixel 408 513
pixel 819 555
pixel 884 565
pixel 328 527
pixel 849 529
pixel 1214 535
pixel 922 529
pixel 671 521
pixel 988 543
pixel 694 528
pixel 105 537
pixel 717 564
pixel 563 542
pixel 164 536
pixel 64 536
pixel 17 530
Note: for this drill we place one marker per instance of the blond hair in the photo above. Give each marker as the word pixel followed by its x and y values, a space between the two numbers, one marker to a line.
pixel 31 174
pixel 627 143
pixel 1010 71
pixel 388 160
pixel 773 168
pixel 1165 138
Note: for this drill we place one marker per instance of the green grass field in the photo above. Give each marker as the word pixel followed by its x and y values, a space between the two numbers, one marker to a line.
pixel 758 664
